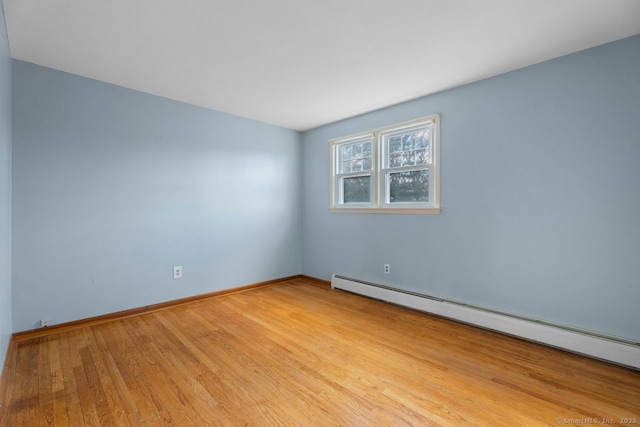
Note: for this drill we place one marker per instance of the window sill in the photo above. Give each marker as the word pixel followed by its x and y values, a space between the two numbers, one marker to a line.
pixel 406 211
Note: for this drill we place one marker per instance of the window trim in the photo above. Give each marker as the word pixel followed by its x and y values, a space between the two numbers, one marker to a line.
pixel 378 202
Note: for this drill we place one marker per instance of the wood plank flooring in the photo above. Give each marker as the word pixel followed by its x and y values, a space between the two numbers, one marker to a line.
pixel 293 353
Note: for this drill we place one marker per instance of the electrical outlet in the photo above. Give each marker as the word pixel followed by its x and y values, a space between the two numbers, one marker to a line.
pixel 44 323
pixel 177 272
pixel 387 268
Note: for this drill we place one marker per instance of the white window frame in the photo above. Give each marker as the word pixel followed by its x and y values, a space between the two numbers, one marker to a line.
pixel 380 173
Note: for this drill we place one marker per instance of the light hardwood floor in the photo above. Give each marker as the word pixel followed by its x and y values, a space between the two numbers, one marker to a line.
pixel 293 353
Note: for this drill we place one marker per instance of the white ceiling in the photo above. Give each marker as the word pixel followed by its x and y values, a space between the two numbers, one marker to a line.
pixel 304 63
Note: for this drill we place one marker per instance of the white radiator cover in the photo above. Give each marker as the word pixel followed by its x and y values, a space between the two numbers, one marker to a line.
pixel 600 346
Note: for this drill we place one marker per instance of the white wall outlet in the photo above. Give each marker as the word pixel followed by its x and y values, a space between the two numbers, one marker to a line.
pixel 177 272
pixel 44 323
pixel 387 268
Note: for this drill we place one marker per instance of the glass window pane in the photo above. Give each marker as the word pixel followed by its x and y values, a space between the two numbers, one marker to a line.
pixel 422 140
pixel 395 144
pixel 346 152
pixel 395 160
pixel 409 158
pixel 356 151
pixel 366 149
pixel 411 186
pixel 408 141
pixel 421 157
pixel 356 166
pixel 366 164
pixel 356 189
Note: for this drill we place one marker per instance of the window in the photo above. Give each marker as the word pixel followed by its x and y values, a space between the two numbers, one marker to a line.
pixel 389 170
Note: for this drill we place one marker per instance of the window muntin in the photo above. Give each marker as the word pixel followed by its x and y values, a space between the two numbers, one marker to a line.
pixel 391 170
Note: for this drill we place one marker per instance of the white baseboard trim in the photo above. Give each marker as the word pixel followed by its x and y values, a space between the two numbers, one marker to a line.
pixel 612 349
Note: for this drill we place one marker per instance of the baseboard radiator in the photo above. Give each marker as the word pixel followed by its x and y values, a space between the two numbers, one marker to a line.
pixel 613 349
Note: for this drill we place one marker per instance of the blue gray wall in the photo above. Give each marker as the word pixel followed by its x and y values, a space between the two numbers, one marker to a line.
pixel 5 190
pixel 540 196
pixel 112 188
